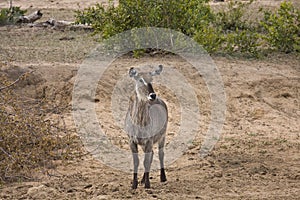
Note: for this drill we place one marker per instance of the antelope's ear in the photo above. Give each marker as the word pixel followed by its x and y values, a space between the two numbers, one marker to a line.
pixel 157 71
pixel 132 72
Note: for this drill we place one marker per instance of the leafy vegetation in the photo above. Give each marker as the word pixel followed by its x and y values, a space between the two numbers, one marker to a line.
pixel 10 15
pixel 232 17
pixel 181 15
pixel 282 28
pixel 225 31
pixel 229 32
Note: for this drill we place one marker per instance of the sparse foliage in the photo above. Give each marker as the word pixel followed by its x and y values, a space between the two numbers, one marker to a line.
pixel 226 31
pixel 210 37
pixel 181 15
pixel 282 28
pixel 244 42
pixel 10 15
pixel 232 17
pixel 29 140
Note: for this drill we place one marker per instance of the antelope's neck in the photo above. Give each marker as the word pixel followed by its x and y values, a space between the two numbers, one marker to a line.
pixel 140 112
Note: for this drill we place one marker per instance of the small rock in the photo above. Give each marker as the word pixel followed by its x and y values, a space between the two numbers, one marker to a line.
pixel 218 174
pixel 33 190
pixel 149 191
pixel 101 197
pixel 88 186
pixel 105 185
pixel 67 38
pixel 9 110
pixel 41 192
pixel 116 189
pixel 71 190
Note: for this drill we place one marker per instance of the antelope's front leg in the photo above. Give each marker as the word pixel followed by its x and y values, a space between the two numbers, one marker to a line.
pixel 143 179
pixel 135 155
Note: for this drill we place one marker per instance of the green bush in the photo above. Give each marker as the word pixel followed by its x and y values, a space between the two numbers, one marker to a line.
pixel 231 32
pixel 10 15
pixel 210 37
pixel 232 17
pixel 244 42
pixel 282 27
pixel 224 31
pixel 181 15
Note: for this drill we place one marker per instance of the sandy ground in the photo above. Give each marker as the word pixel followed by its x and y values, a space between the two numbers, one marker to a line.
pixel 257 156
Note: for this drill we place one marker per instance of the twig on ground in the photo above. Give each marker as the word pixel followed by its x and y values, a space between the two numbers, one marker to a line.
pixel 6 153
pixel 16 81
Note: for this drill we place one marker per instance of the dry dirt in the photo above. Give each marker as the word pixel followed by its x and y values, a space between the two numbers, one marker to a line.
pixel 257 156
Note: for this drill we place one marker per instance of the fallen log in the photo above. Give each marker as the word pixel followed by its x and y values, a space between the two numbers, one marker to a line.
pixel 55 24
pixel 30 18
pixel 61 25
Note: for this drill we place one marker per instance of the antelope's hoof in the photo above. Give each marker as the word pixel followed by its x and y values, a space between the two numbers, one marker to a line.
pixel 147 185
pixel 134 184
pixel 163 179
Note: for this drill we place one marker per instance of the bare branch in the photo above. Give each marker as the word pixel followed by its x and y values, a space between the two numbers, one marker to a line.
pixel 10 5
pixel 53 175
pixel 16 81
pixel 6 153
pixel 31 18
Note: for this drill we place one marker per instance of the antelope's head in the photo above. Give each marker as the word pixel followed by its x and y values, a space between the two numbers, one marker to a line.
pixel 143 85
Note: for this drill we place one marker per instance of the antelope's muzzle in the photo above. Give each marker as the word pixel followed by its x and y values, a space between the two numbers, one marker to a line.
pixel 152 96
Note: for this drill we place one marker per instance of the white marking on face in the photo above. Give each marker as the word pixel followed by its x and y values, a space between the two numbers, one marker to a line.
pixel 143 81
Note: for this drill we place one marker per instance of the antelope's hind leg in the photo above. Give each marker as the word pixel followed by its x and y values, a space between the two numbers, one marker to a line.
pixel 135 155
pixel 161 155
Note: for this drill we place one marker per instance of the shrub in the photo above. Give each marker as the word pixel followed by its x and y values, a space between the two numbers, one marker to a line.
pixel 236 34
pixel 244 42
pixel 181 15
pixel 210 37
pixel 29 142
pixel 10 15
pixel 282 27
pixel 232 17
pixel 225 31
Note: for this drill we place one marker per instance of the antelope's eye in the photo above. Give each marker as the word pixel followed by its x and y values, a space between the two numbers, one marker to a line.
pixel 141 80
